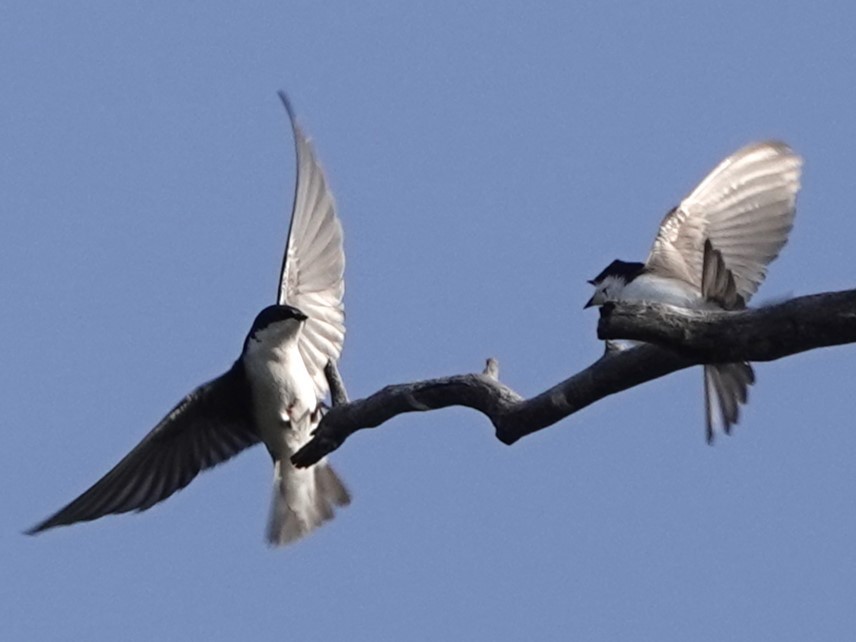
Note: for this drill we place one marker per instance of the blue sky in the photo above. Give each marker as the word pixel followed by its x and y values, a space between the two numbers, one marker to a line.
pixel 487 159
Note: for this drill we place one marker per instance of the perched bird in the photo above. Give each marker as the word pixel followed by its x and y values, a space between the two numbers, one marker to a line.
pixel 273 393
pixel 711 253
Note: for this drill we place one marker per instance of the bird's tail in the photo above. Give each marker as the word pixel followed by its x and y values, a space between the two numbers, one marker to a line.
pixel 726 387
pixel 303 499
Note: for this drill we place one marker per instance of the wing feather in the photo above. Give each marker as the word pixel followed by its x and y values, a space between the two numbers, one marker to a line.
pixel 313 267
pixel 208 426
pixel 745 206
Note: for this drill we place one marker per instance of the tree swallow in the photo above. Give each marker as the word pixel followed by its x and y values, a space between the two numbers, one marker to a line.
pixel 711 253
pixel 273 393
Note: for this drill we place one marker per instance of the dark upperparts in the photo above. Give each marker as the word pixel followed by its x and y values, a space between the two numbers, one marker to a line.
pixel 626 270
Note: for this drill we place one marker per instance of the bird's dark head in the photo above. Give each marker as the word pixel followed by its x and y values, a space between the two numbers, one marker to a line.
pixel 276 323
pixel 609 283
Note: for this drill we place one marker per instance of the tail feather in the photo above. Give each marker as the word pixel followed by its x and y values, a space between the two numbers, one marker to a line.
pixel 303 499
pixel 726 387
pixel 331 486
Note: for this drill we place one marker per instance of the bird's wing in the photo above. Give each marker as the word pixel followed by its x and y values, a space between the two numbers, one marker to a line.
pixel 207 427
pixel 313 266
pixel 745 207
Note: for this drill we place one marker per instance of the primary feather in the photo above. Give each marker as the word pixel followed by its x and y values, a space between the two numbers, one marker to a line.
pixel 313 267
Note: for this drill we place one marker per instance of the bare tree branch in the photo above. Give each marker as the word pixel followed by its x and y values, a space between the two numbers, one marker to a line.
pixel 761 334
pixel 512 416
pixel 692 338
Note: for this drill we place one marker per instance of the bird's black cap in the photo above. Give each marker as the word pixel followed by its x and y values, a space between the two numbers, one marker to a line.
pixel 626 270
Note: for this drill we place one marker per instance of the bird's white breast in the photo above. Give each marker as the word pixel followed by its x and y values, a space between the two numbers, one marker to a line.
pixel 283 394
pixel 650 287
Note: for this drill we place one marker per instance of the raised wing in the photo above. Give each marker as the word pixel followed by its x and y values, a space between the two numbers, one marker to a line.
pixel 745 207
pixel 313 266
pixel 207 427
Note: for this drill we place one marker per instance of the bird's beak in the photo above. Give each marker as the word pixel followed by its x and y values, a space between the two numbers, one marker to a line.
pixel 299 315
pixel 589 303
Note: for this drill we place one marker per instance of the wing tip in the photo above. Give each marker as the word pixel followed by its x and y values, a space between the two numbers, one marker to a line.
pixel 775 146
pixel 299 136
pixel 286 102
pixel 41 527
